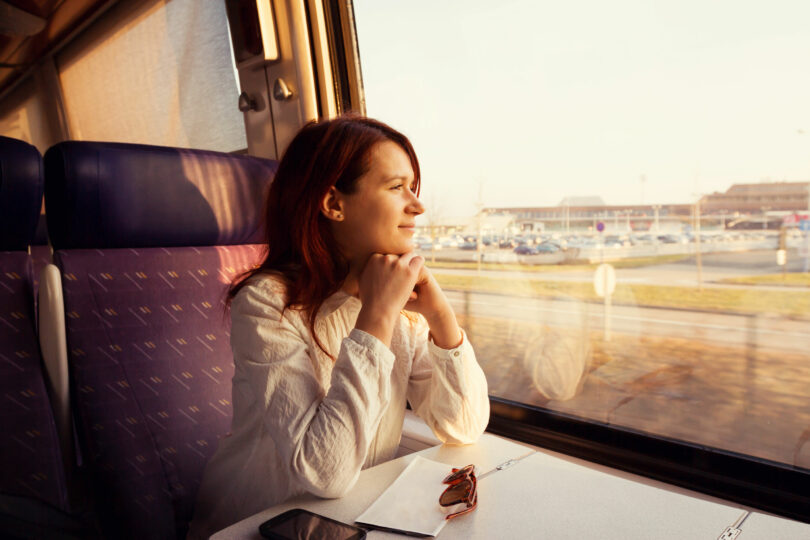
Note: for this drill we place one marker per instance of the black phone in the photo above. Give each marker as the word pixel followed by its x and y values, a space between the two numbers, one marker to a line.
pixel 300 524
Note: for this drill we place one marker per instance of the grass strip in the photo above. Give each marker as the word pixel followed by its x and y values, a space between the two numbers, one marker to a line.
pixel 787 280
pixel 745 301
pixel 573 266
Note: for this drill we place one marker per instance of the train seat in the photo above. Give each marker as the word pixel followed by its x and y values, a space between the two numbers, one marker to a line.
pixel 146 240
pixel 40 251
pixel 31 469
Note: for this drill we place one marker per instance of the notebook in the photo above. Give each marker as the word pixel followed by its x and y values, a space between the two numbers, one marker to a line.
pixel 410 505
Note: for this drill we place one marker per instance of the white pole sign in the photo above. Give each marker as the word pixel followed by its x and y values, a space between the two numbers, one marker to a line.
pixel 604 283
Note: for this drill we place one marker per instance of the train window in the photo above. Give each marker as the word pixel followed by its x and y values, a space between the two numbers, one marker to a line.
pixel 156 73
pixel 668 141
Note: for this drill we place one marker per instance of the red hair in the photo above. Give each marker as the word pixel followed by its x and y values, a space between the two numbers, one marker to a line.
pixel 300 246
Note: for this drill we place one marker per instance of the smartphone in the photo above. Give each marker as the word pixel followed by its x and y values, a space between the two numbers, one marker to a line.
pixel 300 524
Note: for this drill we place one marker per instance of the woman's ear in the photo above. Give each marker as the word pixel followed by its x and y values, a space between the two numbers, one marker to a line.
pixel 332 205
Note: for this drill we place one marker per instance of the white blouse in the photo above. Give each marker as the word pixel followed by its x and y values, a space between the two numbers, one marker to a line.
pixel 303 423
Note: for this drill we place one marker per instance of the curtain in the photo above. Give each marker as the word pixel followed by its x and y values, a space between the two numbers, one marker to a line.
pixel 157 72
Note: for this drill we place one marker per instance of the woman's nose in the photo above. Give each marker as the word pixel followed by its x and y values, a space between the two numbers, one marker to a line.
pixel 416 206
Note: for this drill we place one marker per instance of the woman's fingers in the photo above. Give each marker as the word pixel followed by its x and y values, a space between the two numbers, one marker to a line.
pixel 387 282
pixel 412 260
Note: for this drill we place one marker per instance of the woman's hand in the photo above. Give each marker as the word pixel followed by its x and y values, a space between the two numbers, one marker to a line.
pixel 385 285
pixel 429 300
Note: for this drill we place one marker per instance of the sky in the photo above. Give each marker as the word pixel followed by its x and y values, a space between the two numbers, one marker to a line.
pixel 523 103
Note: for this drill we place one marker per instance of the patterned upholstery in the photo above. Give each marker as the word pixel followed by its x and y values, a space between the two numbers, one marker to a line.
pixel 40 257
pixel 151 371
pixel 147 331
pixel 30 460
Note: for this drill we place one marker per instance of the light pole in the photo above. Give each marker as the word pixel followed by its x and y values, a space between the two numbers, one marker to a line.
pixel 479 241
pixel 807 232
pixel 643 182
pixel 698 260
pixel 567 216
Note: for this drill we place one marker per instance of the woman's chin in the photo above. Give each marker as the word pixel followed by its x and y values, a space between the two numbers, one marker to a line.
pixel 392 246
pixel 398 248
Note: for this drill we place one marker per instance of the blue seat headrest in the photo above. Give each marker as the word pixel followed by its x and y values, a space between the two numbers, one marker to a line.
pixel 117 195
pixel 20 193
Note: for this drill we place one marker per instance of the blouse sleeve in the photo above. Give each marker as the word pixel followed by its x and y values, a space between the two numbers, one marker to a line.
pixel 323 437
pixel 448 389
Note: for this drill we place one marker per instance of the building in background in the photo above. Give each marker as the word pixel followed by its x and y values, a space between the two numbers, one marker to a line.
pixel 753 199
pixel 743 206
pixel 582 214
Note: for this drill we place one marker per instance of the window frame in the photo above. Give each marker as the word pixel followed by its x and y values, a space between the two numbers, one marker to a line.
pixel 344 56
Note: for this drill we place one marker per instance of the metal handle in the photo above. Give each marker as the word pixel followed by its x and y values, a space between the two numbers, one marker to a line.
pixel 281 91
pixel 246 103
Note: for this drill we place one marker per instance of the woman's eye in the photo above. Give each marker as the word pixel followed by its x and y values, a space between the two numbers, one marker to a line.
pixel 398 186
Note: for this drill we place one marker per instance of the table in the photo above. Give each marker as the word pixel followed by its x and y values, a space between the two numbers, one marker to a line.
pixel 548 495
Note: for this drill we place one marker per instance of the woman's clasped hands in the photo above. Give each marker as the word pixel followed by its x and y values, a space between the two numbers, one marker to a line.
pixel 390 283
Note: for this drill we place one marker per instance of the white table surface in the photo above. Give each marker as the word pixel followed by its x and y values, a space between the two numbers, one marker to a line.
pixel 547 495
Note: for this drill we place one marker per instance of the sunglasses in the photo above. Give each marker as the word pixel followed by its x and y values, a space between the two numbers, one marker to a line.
pixel 462 488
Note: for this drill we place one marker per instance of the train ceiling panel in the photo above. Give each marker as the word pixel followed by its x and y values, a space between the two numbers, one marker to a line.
pixel 32 29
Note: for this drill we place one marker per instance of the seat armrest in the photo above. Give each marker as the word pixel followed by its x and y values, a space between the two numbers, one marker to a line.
pixel 53 345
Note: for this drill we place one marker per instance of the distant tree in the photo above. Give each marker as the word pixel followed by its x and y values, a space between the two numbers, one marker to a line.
pixel 434 212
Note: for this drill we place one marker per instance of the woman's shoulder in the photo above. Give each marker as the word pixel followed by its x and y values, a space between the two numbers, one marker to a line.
pixel 261 289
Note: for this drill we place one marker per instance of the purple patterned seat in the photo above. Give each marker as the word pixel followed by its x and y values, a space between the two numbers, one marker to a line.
pixel 30 459
pixel 147 240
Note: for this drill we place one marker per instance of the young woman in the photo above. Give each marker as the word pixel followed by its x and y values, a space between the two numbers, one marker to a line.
pixel 337 329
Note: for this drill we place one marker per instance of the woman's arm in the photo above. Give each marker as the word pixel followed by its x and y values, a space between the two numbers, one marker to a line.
pixel 322 437
pixel 429 300
pixel 447 387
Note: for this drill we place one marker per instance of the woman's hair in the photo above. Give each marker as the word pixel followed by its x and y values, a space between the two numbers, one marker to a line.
pixel 300 246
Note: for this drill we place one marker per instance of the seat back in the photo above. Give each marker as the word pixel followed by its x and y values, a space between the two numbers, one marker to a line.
pixel 147 240
pixel 30 459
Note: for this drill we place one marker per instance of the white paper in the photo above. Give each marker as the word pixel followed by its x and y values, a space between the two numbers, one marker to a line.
pixel 411 503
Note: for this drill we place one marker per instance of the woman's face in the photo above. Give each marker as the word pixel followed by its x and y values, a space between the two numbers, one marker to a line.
pixel 379 216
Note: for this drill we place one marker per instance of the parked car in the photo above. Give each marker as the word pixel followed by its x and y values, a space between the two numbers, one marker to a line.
pixel 669 239
pixel 525 250
pixel 507 244
pixel 547 247
pixel 614 240
pixel 643 239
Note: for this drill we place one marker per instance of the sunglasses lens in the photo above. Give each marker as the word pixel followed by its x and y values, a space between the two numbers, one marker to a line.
pixel 470 508
pixel 457 493
pixel 458 474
